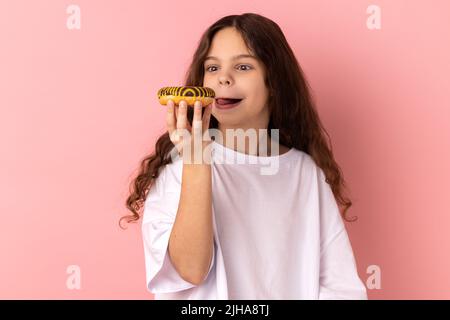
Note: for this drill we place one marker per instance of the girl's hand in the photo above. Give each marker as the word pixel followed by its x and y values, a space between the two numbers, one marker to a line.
pixel 193 140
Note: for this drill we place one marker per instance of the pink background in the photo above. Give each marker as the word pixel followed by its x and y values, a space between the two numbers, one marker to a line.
pixel 79 110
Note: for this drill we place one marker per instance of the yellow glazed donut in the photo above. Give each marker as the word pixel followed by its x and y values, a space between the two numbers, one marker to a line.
pixel 189 94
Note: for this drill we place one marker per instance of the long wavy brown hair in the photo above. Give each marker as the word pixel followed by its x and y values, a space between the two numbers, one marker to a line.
pixel 292 109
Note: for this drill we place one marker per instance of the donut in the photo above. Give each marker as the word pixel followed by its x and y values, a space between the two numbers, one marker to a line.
pixel 190 94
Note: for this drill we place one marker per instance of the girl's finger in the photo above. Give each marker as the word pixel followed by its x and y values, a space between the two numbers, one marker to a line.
pixel 188 125
pixel 198 111
pixel 170 117
pixel 182 115
pixel 197 119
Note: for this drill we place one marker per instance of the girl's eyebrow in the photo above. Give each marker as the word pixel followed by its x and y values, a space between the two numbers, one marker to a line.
pixel 233 58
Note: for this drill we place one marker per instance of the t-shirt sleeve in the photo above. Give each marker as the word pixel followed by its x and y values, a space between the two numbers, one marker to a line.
pixel 160 210
pixel 338 272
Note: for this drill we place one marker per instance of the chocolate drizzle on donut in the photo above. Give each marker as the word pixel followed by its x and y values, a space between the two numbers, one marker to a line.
pixel 187 91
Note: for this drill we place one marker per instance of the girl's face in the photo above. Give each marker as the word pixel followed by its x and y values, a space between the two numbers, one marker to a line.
pixel 231 76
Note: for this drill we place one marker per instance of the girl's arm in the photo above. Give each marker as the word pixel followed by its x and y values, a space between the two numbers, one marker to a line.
pixel 339 277
pixel 191 240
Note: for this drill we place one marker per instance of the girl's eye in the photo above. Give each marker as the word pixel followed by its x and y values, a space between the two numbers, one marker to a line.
pixel 244 65
pixel 209 68
pixel 241 65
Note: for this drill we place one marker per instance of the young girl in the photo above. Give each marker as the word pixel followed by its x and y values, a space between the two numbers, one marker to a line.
pixel 221 230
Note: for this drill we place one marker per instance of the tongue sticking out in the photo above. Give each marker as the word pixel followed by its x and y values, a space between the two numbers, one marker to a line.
pixel 227 101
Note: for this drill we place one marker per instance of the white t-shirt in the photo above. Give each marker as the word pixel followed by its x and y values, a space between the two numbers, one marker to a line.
pixel 278 233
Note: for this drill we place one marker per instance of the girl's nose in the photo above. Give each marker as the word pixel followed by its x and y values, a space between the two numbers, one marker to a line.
pixel 224 81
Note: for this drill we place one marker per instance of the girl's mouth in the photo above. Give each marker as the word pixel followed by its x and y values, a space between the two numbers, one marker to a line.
pixel 227 103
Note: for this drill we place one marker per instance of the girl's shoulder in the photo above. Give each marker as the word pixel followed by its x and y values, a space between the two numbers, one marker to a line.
pixel 306 164
pixel 303 157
